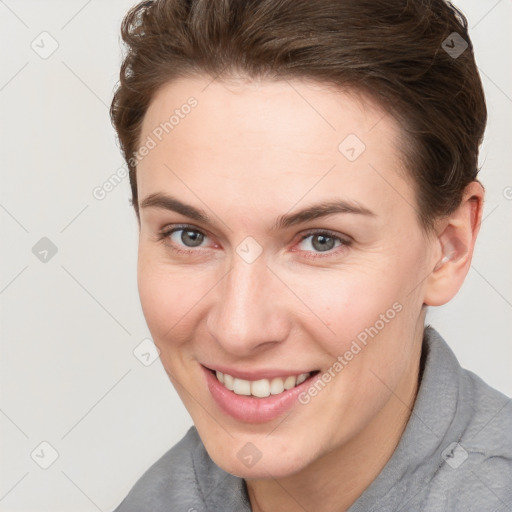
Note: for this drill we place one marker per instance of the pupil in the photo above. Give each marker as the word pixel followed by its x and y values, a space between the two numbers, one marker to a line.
pixel 323 246
pixel 191 238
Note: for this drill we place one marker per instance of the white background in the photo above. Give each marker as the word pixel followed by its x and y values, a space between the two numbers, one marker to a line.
pixel 69 326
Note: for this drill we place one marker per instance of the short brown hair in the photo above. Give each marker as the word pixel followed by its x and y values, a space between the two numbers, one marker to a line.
pixel 398 52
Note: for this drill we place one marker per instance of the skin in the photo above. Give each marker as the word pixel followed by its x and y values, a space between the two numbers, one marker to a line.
pixel 248 153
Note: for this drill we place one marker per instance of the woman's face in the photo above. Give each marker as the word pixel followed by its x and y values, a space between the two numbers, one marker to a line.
pixel 255 290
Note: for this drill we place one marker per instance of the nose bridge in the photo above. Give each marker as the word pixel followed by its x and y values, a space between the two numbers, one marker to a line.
pixel 246 312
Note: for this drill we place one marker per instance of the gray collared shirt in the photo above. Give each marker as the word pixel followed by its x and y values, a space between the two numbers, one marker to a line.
pixel 455 454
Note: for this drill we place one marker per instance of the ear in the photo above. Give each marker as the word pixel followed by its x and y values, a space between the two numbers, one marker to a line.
pixel 455 242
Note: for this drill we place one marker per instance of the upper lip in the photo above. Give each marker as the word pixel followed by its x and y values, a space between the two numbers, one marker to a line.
pixel 255 374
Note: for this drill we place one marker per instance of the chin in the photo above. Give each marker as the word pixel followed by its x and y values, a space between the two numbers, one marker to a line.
pixel 261 470
pixel 251 463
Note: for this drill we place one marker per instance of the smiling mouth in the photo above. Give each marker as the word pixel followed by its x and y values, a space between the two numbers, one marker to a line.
pixel 262 388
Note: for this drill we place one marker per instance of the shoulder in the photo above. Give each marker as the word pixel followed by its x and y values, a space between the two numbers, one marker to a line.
pixel 486 444
pixel 475 468
pixel 170 483
pixel 486 417
pixel 185 478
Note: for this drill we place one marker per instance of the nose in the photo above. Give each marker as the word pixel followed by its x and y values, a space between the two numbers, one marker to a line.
pixel 249 310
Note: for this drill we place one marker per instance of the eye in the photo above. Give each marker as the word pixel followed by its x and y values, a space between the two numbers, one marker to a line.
pixel 183 239
pixel 189 237
pixel 321 241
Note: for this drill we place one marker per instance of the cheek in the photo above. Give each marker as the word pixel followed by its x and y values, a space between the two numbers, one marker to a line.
pixel 347 302
pixel 169 296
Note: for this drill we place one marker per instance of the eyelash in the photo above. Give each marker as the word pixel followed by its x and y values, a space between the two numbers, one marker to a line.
pixel 166 232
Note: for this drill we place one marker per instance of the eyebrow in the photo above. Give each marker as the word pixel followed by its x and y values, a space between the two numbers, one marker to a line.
pixel 312 212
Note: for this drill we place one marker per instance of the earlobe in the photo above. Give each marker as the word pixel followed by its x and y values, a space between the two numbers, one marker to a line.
pixel 456 242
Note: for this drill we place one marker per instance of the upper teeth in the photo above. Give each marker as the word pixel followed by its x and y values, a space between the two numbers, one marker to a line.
pixel 263 387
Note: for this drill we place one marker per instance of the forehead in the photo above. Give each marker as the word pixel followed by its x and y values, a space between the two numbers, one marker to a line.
pixel 270 139
pixel 272 110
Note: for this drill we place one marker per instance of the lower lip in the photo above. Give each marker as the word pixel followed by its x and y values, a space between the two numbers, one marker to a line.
pixel 250 409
